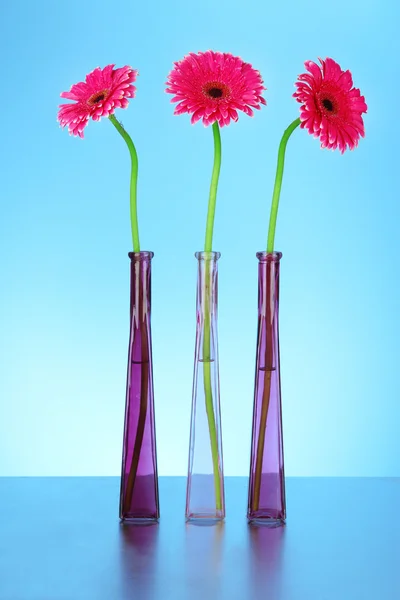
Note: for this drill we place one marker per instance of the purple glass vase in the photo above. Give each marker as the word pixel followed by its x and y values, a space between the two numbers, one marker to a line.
pixel 205 499
pixel 139 482
pixel 266 502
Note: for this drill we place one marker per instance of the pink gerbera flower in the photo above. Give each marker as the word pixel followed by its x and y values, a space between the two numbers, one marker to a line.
pixel 213 86
pixel 331 107
pixel 103 91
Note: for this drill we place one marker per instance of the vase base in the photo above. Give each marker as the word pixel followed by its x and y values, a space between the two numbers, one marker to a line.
pixel 265 522
pixel 138 520
pixel 204 518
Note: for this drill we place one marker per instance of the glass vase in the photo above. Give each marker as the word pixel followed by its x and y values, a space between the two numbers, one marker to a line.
pixel 139 482
pixel 205 499
pixel 266 500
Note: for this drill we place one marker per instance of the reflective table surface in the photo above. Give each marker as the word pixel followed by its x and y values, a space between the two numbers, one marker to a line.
pixel 60 539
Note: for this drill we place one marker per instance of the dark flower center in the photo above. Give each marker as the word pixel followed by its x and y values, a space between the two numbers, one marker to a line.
pixel 215 92
pixel 97 97
pixel 328 104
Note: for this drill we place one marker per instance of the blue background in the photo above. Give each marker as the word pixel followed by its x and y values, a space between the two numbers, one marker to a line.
pixel 65 234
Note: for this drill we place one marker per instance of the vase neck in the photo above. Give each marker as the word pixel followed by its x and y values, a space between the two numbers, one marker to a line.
pixel 207 256
pixel 267 257
pixel 143 256
pixel 268 286
pixel 207 281
pixel 140 297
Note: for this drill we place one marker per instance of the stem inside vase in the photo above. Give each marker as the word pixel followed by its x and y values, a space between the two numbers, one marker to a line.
pixel 144 388
pixel 207 385
pixel 267 367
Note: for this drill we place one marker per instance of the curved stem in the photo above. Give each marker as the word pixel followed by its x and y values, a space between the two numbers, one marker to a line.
pixel 278 183
pixel 212 200
pixel 207 317
pixel 268 320
pixel 134 178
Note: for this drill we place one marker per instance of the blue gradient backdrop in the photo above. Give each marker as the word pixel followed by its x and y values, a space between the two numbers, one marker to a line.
pixel 64 237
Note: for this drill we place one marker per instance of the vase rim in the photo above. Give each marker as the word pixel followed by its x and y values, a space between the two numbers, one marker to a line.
pixel 202 255
pixel 269 256
pixel 142 255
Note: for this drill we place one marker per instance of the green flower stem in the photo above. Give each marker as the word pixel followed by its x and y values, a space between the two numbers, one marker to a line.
pixel 145 365
pixel 213 188
pixel 278 183
pixel 207 317
pixel 268 349
pixel 134 178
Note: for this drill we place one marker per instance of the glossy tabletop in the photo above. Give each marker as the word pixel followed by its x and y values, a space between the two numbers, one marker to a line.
pixel 60 539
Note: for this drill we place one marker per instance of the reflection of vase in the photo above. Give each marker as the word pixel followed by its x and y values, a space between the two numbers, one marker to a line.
pixel 139 483
pixel 140 567
pixel 266 502
pixel 203 560
pixel 266 562
pixel 205 483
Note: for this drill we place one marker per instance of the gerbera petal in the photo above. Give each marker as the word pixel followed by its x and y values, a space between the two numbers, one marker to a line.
pixel 331 108
pixel 233 114
pixel 332 133
pixel 180 108
pixel 213 86
pixel 197 115
pixel 331 69
pixel 106 74
pixel 98 96
pixel 80 90
pixel 94 79
pixel 345 80
pixel 69 96
pixel 348 139
pixel 315 71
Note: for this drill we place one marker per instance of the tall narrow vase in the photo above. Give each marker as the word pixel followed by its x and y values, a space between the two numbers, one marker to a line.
pixel 139 483
pixel 205 484
pixel 266 502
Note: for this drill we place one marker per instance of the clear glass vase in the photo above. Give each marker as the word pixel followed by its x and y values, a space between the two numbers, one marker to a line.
pixel 139 482
pixel 266 501
pixel 205 499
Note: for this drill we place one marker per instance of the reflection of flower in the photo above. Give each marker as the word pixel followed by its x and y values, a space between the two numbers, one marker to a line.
pixel 103 91
pixel 213 86
pixel 331 108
